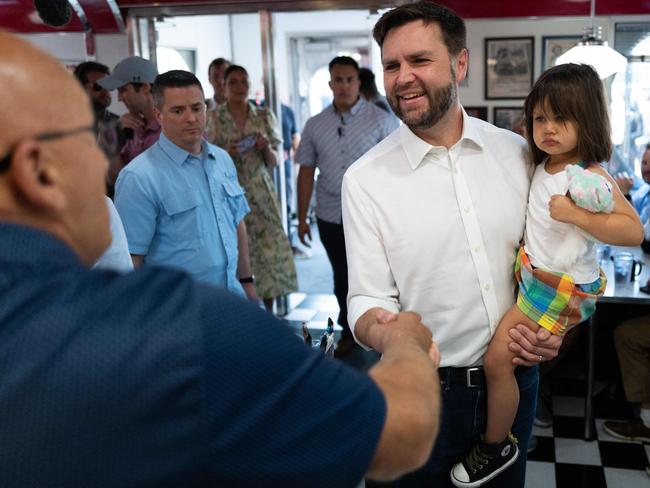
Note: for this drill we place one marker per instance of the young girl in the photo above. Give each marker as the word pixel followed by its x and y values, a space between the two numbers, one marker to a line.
pixel 566 123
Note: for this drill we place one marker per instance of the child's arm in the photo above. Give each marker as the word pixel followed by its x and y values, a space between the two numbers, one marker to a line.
pixel 622 227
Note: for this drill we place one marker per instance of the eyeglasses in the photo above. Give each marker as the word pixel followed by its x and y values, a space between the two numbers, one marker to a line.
pixel 5 162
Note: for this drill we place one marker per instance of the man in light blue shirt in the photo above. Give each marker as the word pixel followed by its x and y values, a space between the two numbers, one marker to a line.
pixel 180 200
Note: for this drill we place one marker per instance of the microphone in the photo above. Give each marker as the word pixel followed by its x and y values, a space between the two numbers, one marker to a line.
pixel 53 12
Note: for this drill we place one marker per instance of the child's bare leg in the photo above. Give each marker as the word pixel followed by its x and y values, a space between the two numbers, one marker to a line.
pixel 503 392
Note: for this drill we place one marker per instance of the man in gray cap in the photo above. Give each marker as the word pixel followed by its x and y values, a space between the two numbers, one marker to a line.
pixel 133 77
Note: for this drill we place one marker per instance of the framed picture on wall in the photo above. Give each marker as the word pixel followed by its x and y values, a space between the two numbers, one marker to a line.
pixel 506 117
pixel 555 46
pixel 478 112
pixel 509 67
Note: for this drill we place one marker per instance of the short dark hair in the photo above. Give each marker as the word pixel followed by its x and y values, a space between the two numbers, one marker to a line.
pixel 367 78
pixel 234 67
pixel 575 92
pixel 82 69
pixel 216 62
pixel 345 61
pixel 452 26
pixel 175 78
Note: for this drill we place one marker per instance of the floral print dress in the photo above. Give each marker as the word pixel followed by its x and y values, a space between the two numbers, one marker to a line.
pixel 270 252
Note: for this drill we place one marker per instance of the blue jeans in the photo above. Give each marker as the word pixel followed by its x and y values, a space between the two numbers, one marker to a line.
pixel 463 420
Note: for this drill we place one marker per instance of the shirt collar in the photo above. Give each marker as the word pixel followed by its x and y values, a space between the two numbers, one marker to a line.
pixel 353 109
pixel 416 149
pixel 179 155
pixel 152 126
pixel 34 247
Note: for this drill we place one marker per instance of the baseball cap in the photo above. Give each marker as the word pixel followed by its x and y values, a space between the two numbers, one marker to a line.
pixel 130 70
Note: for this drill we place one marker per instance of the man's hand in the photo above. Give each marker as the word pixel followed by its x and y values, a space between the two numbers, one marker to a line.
pixel 562 209
pixel 624 182
pixel 533 348
pixel 304 230
pixel 131 121
pixel 261 142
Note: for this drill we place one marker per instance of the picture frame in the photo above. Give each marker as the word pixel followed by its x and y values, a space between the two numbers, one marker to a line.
pixel 478 112
pixel 505 117
pixel 509 66
pixel 554 46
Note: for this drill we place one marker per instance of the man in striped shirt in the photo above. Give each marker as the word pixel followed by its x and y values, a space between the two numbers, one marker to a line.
pixel 331 141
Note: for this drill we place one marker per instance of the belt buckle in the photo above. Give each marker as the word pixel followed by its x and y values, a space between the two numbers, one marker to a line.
pixel 468 372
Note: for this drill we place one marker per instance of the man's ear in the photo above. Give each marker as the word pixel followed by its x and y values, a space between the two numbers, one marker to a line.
pixel 158 114
pixel 462 64
pixel 34 177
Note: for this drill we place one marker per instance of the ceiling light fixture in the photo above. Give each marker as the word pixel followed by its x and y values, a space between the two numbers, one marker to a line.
pixel 593 50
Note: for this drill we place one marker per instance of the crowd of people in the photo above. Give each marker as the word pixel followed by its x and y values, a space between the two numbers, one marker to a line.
pixel 135 244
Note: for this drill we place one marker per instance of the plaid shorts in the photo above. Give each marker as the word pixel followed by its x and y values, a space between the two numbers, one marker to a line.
pixel 553 300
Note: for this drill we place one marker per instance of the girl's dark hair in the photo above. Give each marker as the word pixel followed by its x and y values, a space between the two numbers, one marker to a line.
pixel 452 26
pixel 231 68
pixel 575 92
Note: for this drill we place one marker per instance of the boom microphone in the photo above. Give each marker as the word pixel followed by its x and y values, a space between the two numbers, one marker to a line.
pixel 53 12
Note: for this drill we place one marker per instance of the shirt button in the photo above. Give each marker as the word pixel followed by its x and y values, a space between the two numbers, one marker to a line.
pixel 477 248
pixel 487 287
pixel 466 209
pixel 455 170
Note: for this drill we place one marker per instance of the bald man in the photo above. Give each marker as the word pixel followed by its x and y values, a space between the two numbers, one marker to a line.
pixel 151 379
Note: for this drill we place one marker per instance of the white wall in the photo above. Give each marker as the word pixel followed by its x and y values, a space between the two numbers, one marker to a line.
pixel 208 35
pixel 70 48
pixel 247 48
pixel 478 30
pixel 288 25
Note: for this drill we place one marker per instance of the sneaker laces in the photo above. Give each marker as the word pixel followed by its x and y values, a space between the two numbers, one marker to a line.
pixel 476 459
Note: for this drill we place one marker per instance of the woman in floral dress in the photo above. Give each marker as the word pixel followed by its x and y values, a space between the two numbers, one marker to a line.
pixel 249 133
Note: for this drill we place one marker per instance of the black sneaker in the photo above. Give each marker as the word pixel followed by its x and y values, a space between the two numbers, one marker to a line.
pixel 484 462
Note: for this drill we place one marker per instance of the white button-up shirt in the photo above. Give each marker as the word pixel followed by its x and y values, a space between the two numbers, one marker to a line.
pixel 436 231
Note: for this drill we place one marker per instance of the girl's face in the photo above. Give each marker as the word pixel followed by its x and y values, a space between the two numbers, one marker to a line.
pixel 555 135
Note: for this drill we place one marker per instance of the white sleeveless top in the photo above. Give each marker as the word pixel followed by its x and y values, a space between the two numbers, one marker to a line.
pixel 544 235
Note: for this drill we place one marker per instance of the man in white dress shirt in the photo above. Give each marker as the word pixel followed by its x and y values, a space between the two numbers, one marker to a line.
pixel 433 216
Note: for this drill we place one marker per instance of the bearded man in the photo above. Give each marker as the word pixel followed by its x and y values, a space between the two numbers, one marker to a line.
pixel 433 216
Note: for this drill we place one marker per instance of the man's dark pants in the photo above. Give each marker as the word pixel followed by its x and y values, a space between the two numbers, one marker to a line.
pixel 333 239
pixel 463 419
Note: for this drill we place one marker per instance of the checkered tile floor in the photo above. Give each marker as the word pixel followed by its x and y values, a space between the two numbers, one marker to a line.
pixel 562 458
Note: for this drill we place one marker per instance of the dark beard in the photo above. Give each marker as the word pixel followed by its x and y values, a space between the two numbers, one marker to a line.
pixel 440 101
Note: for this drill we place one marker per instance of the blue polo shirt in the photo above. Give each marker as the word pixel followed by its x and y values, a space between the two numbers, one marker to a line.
pixel 182 210
pixel 152 379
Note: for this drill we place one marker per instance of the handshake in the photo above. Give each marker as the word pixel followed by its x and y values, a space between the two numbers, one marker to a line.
pixel 384 331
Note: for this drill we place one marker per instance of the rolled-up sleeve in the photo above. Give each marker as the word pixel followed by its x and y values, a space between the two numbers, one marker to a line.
pixel 371 281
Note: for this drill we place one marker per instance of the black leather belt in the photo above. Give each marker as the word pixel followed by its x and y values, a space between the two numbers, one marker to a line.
pixel 473 377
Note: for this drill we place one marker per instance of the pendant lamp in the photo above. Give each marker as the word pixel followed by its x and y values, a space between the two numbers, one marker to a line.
pixel 593 50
